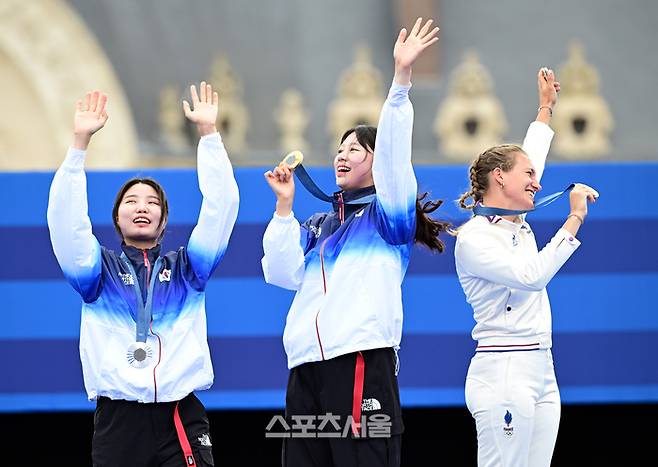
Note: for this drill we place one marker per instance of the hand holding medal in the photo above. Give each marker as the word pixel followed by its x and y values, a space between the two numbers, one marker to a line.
pixel 293 159
pixel 282 182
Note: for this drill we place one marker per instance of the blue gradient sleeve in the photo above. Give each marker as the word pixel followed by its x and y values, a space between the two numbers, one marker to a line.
pixel 219 208
pixel 392 171
pixel 76 248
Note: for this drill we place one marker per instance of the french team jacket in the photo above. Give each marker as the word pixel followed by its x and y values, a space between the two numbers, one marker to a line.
pixel 503 274
pixel 347 265
pixel 105 281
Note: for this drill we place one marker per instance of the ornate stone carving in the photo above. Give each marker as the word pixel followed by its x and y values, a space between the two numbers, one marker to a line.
pixel 48 60
pixel 292 120
pixel 582 118
pixel 359 96
pixel 471 118
pixel 172 120
pixel 233 117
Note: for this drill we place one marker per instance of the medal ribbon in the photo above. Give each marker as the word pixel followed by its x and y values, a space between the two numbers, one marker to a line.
pixel 315 190
pixel 480 210
pixel 143 311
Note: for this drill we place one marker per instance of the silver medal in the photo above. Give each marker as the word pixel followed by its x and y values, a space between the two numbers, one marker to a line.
pixel 139 354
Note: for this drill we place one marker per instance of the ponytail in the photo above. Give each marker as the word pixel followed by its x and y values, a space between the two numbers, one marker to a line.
pixel 428 229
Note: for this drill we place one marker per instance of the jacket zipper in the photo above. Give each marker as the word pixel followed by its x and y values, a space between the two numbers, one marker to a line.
pixel 341 209
pixel 147 264
pixel 341 218
pixel 324 288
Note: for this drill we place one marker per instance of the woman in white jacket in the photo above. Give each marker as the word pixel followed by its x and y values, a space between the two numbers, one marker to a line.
pixel 344 326
pixel 143 343
pixel 511 389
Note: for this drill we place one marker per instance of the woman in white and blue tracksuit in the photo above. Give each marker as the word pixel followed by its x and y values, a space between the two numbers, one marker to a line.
pixel 347 265
pixel 143 342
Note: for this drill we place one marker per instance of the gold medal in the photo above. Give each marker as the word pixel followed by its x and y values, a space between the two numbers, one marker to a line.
pixel 293 159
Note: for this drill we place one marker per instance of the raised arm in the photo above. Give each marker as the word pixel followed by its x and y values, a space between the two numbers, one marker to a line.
pixel 76 249
pixel 539 136
pixel 219 207
pixel 392 170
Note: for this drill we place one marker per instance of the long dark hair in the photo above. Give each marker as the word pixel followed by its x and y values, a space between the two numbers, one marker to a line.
pixel 164 206
pixel 427 229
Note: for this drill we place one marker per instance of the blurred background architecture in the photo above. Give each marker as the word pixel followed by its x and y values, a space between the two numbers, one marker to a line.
pixel 297 73
pixel 294 74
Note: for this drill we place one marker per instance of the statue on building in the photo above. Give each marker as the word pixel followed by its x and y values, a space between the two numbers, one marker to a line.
pixel 292 120
pixel 233 117
pixel 172 121
pixel 471 118
pixel 582 119
pixel 359 97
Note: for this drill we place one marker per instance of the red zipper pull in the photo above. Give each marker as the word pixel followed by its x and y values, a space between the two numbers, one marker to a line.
pixel 341 208
pixel 147 264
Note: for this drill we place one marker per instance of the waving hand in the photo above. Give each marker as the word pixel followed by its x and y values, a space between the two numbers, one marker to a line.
pixel 409 46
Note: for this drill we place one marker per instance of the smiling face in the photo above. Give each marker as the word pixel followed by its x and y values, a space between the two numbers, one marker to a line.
pixel 139 216
pixel 520 183
pixel 353 164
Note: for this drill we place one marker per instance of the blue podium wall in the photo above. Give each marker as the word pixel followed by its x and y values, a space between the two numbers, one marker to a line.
pixel 605 317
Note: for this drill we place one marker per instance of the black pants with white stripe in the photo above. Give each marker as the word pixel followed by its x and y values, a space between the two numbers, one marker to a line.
pixel 133 434
pixel 320 403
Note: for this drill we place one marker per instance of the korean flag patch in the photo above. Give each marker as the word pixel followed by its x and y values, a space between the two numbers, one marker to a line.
pixel 165 275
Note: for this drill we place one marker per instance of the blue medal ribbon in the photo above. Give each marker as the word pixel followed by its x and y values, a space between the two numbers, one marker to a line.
pixel 139 353
pixel 143 310
pixel 480 210
pixel 315 190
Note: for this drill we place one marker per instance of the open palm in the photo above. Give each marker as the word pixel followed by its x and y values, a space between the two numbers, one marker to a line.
pixel 205 105
pixel 409 46
pixel 90 115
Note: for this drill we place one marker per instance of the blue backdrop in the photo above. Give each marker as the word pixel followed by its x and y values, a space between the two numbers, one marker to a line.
pixel 605 320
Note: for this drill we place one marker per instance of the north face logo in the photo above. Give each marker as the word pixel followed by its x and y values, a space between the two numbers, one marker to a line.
pixel 204 439
pixel 368 405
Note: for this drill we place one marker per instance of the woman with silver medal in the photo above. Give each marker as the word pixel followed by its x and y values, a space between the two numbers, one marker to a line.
pixel 143 341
